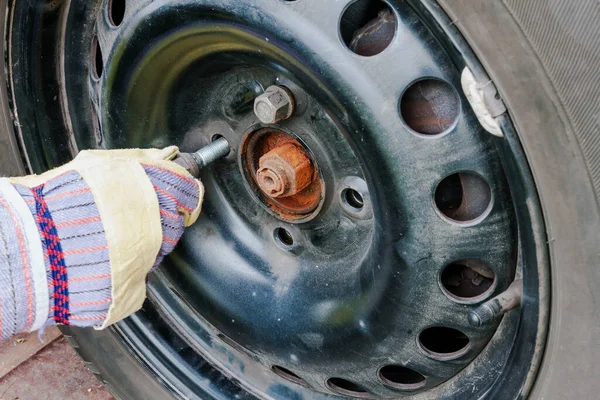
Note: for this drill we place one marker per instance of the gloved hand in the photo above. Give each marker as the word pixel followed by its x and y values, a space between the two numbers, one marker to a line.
pixel 77 242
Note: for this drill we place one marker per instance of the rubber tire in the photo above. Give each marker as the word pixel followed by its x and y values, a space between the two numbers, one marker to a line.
pixel 114 364
pixel 544 58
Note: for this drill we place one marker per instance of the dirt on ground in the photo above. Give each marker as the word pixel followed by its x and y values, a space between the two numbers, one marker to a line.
pixel 31 370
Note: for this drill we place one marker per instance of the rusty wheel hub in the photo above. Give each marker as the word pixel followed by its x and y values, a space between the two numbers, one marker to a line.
pixel 283 174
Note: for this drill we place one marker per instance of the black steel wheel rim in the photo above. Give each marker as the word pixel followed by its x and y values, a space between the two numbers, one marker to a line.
pixel 360 287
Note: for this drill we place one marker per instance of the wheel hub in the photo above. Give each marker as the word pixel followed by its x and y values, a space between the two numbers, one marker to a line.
pixel 282 168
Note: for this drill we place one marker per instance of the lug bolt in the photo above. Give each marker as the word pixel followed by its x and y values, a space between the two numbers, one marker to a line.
pixel 212 152
pixel 194 162
pixel 274 105
pixel 284 171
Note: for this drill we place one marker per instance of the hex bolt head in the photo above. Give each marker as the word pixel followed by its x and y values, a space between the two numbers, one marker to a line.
pixel 284 171
pixel 274 105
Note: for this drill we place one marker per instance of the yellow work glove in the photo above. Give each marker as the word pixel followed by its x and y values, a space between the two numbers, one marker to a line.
pixel 86 235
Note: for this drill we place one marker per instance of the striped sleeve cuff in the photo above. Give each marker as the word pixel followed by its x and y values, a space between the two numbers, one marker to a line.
pixel 77 264
pixel 175 192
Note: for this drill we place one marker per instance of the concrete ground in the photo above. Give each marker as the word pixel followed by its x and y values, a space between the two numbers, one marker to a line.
pixel 32 370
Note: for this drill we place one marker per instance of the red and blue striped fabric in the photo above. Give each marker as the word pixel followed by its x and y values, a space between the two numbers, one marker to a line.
pixel 75 247
pixel 174 192
pixel 56 257
pixel 72 234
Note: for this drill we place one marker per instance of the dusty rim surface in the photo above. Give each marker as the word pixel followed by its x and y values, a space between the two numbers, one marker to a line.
pixel 407 222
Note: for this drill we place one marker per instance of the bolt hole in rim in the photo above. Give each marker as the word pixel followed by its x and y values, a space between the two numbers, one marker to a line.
pixel 370 201
pixel 464 198
pixel 216 137
pixel 468 281
pixel 430 107
pixel 284 238
pixel 360 20
pixel 97 61
pixel 401 377
pixel 346 388
pixel 289 375
pixel 116 11
pixel 443 343
pixel 353 199
pixel 96 127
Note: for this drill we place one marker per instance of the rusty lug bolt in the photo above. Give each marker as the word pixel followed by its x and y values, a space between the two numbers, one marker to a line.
pixel 275 104
pixel 284 171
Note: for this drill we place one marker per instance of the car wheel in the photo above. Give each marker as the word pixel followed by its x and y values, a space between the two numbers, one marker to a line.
pixel 441 152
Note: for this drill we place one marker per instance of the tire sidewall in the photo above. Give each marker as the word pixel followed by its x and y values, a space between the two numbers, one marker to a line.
pixel 562 178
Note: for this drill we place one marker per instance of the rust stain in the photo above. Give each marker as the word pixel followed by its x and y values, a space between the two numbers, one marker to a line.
pixel 283 173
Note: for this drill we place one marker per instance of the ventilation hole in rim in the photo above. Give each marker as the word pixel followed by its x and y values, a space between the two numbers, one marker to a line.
pixel 284 237
pixel 353 199
pixel 368 27
pixel 96 126
pixel 440 340
pixel 288 375
pixel 346 387
pixel 430 106
pixel 400 377
pixel 97 63
pixel 467 279
pixel 116 11
pixel 463 196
